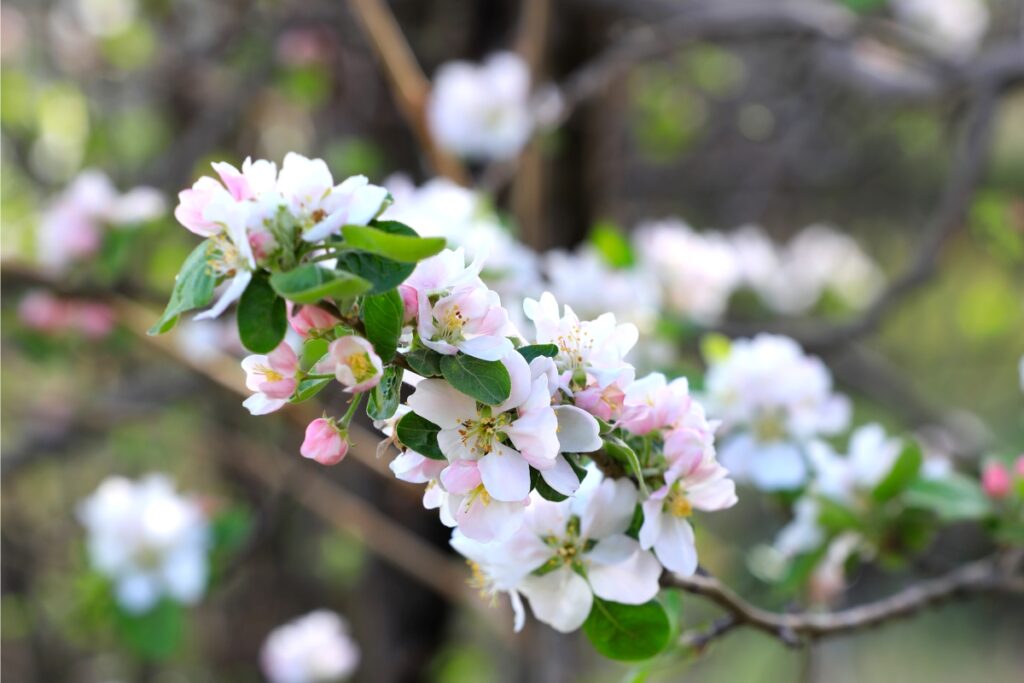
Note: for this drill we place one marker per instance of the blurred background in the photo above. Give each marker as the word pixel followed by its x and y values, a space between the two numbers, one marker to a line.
pixel 906 136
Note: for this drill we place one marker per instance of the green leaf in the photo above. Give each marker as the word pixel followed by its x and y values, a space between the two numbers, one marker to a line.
pixel 193 288
pixel 903 471
pixel 487 381
pixel 953 497
pixel 382 316
pixel 383 272
pixel 620 450
pixel 534 350
pixel 312 351
pixel 262 319
pixel 309 283
pixel 611 243
pixel 154 635
pixel 383 401
pixel 419 434
pixel 627 632
pixel 403 248
pixel 714 347
pixel 836 517
pixel 308 388
pixel 426 362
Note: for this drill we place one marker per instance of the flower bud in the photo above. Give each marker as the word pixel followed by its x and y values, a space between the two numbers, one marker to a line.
pixel 324 442
pixel 307 319
pixel 995 480
pixel 1018 467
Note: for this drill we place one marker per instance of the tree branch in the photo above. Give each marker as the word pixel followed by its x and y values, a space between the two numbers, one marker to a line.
pixel 1000 574
pixel 409 85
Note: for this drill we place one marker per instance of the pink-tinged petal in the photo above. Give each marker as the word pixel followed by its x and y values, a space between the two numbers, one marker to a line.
pixel 676 547
pixel 233 179
pixel 440 403
pixel 461 477
pixel 578 431
pixel 562 599
pixel 486 347
pixel 283 359
pixel 632 582
pixel 713 495
pixel 415 468
pixel 535 434
pixel 486 521
pixel 442 347
pixel 505 474
pixel 261 404
pixel 282 388
pixel 562 477
pixel 254 370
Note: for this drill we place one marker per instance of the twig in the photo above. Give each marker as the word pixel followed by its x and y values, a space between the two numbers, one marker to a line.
pixel 409 85
pixel 1000 574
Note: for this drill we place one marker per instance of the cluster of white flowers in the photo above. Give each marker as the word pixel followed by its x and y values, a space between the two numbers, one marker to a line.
pixel 482 112
pixel 773 400
pixel 953 27
pixel 151 542
pixel 256 215
pixel 678 269
pixel 315 648
pixel 74 226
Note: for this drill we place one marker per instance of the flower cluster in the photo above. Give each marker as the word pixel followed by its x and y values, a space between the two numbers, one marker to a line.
pixel 150 541
pixel 79 220
pixel 43 312
pixel 315 648
pixel 482 112
pixel 773 399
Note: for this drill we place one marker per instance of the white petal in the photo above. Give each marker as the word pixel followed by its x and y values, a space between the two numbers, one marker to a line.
pixel 231 294
pixel 675 547
pixel 610 510
pixel 487 347
pixel 777 467
pixel 561 599
pixel 632 582
pixel 261 404
pixel 578 431
pixel 562 477
pixel 441 403
pixel 505 474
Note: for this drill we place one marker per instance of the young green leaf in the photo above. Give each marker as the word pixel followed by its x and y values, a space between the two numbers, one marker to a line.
pixel 262 319
pixel 535 350
pixel 308 388
pixel 403 248
pixel 419 434
pixel 312 351
pixel 309 283
pixel 382 317
pixel 836 517
pixel 193 288
pixel 383 400
pixel 903 471
pixel 620 450
pixel 487 381
pixel 953 497
pixel 154 635
pixel 426 362
pixel 627 632
pixel 612 244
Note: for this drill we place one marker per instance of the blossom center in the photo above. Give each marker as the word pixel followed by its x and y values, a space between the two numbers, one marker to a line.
pixel 362 368
pixel 769 427
pixel 483 432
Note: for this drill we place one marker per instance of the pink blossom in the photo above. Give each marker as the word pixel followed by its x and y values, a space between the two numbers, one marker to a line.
pixel 652 403
pixel 409 302
pixel 1018 466
pixel 192 205
pixel 308 319
pixel 356 364
pixel 468 319
pixel 94 319
pixel 606 403
pixel 43 312
pixel 995 480
pixel 272 377
pixel 324 442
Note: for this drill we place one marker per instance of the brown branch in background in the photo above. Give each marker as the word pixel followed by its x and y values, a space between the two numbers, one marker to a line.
pixel 410 86
pixel 1000 574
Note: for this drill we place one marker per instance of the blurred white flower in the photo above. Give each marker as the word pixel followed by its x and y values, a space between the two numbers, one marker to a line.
pixel 953 27
pixel 315 648
pixel 482 111
pixel 697 272
pixel 72 228
pixel 870 458
pixel 149 540
pixel 772 399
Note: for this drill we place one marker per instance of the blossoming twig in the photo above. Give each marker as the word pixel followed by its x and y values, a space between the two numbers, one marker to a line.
pixel 996 574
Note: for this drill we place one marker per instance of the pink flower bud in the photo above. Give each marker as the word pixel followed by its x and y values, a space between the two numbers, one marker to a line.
pixel 43 312
pixel 1018 466
pixel 409 301
pixel 995 480
pixel 324 442
pixel 306 319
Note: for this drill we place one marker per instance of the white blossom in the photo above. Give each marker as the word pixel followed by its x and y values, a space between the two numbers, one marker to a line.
pixel 315 648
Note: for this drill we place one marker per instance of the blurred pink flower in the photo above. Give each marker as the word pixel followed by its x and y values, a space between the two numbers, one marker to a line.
pixel 995 480
pixel 324 442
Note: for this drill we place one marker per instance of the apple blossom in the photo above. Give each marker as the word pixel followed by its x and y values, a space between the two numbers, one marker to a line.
pixel 72 228
pixel 803 533
pixel 953 27
pixel 996 480
pixel 272 377
pixel 870 458
pixel 772 398
pixel 467 319
pixel 566 553
pixel 697 271
pixel 666 529
pixel 324 442
pixel 315 648
pixel 310 320
pixel 355 364
pixel 481 112
pixel 148 540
